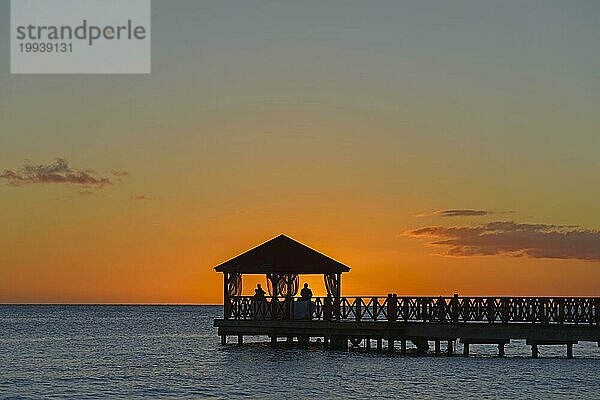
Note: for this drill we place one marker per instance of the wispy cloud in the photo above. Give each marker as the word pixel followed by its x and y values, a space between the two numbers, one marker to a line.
pixel 120 174
pixel 514 239
pixel 462 212
pixel 139 197
pixel 57 172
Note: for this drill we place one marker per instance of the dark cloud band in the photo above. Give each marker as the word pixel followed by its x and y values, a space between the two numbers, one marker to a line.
pixel 514 239
pixel 461 213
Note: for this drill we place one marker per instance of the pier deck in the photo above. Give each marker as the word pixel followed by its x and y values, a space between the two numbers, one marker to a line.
pixel 473 320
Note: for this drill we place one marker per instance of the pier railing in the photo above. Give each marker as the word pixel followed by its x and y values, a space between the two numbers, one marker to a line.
pixel 544 310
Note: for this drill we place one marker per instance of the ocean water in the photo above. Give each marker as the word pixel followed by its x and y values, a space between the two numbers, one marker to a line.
pixel 129 352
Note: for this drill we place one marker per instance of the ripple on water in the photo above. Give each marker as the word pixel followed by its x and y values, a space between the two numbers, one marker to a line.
pixel 173 352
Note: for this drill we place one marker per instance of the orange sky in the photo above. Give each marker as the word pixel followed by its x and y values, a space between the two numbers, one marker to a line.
pixel 175 266
pixel 342 127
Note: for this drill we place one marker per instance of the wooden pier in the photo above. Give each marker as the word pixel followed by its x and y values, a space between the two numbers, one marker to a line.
pixel 340 322
pixel 348 321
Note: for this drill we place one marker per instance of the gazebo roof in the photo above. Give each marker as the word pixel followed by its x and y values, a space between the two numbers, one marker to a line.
pixel 282 254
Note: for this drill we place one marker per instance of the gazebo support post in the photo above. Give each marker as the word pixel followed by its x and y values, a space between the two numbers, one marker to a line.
pixel 225 295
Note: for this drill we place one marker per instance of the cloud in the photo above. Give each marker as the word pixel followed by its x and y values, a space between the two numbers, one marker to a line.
pixel 462 212
pixel 120 174
pixel 139 197
pixel 56 172
pixel 514 239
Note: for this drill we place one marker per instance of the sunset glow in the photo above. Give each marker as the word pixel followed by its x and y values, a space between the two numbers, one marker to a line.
pixel 359 139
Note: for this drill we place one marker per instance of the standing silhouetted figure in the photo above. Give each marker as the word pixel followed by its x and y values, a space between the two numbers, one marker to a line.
pixel 306 293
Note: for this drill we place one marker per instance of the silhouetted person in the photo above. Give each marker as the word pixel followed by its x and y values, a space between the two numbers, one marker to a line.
pixel 306 293
pixel 259 293
pixel 258 303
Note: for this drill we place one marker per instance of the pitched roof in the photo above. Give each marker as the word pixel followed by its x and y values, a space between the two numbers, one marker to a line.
pixel 285 255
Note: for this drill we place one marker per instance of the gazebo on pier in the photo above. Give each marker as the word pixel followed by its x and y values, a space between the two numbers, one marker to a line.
pixel 282 259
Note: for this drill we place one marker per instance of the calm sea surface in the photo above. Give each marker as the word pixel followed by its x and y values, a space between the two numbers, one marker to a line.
pixel 173 352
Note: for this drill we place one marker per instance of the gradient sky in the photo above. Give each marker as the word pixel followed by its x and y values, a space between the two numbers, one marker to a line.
pixel 344 124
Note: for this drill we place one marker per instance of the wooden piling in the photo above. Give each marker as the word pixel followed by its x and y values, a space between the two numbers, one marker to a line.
pixel 501 350
pixel 339 343
pixel 240 340
pixel 534 351
pixel 303 341
pixel 379 344
pixel 569 350
pixel 450 347
pixel 403 347
pixel 466 349
pixel 438 348
pixel 223 339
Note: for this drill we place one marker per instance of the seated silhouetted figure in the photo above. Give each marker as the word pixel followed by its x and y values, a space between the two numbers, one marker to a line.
pixel 259 293
pixel 306 293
